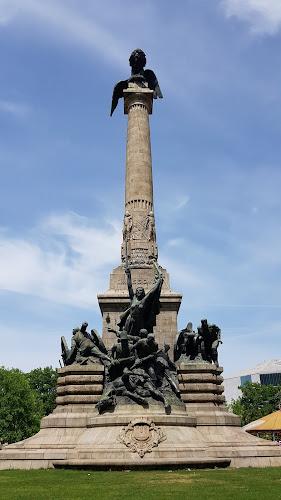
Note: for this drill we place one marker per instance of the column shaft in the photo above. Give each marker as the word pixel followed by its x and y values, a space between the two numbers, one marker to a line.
pixel 139 187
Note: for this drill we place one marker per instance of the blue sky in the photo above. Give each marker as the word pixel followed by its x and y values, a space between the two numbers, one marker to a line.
pixel 216 152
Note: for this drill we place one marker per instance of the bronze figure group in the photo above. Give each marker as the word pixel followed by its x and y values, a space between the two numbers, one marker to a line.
pixel 136 370
pixel 200 346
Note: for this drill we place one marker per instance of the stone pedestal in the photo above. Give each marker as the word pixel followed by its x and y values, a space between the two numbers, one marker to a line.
pixel 203 435
pixel 202 392
pixel 79 386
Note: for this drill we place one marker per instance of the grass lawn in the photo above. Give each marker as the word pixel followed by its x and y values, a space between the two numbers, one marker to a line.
pixel 225 484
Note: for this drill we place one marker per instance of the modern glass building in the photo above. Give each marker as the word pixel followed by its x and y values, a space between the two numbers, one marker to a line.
pixel 267 373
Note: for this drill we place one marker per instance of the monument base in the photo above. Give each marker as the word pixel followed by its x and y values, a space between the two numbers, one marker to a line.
pixel 75 435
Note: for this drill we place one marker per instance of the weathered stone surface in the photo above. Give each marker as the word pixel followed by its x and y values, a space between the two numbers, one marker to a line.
pixel 78 379
pixel 78 399
pixel 79 385
pixel 93 369
pixel 139 235
pixel 200 377
pixel 80 389
pixel 202 392
pixel 201 386
pixel 92 440
pixel 75 435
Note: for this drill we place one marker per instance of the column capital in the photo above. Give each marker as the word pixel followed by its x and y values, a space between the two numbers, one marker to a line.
pixel 138 97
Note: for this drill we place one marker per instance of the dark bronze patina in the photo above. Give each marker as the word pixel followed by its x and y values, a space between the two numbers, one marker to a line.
pixel 139 76
pixel 200 346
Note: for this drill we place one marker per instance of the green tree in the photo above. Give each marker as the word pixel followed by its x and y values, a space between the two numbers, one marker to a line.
pixel 20 407
pixel 257 400
pixel 44 382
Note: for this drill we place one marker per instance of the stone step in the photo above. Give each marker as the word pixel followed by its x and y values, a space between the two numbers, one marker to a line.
pixel 200 368
pixel 186 388
pixel 78 399
pixel 105 463
pixel 81 379
pixel 198 397
pixel 200 377
pixel 75 369
pixel 80 389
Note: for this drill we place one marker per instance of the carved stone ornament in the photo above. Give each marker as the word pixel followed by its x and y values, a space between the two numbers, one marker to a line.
pixel 141 435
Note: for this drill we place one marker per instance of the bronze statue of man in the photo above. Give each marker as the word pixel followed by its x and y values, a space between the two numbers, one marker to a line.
pixel 85 348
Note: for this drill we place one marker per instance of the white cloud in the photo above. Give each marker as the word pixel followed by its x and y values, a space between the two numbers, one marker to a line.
pixel 62 262
pixel 175 202
pixel 181 202
pixel 62 19
pixel 175 242
pixel 223 254
pixel 263 16
pixel 16 109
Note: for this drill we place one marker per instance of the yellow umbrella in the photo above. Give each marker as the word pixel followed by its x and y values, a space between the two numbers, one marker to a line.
pixel 268 424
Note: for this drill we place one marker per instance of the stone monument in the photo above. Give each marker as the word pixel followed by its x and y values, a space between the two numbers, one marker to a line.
pixel 139 233
pixel 122 402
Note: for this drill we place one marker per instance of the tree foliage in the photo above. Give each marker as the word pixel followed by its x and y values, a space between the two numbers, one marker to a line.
pixel 24 399
pixel 20 407
pixel 257 400
pixel 44 382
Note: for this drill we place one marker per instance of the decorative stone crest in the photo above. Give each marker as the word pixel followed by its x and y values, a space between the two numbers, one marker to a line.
pixel 139 226
pixel 141 435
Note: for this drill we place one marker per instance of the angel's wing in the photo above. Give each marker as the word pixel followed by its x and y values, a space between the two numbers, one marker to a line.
pixel 151 304
pixel 118 93
pixel 64 350
pixel 153 83
pixel 98 341
pixel 177 345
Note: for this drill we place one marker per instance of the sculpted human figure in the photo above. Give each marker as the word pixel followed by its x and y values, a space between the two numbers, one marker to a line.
pixel 122 354
pixel 128 225
pixel 187 344
pixel 122 349
pixel 211 335
pixel 143 307
pixel 139 76
pixel 128 375
pixel 83 329
pixel 139 381
pixel 84 348
pixel 203 331
pixel 134 384
pixel 215 333
pixel 165 369
pixel 132 339
pixel 150 227
pixel 145 351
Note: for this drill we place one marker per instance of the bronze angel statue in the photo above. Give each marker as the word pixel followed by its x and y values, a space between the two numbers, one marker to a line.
pixel 140 76
pixel 144 307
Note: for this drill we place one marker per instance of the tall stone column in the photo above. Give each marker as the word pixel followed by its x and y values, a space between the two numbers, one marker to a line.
pixel 139 233
pixel 139 224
